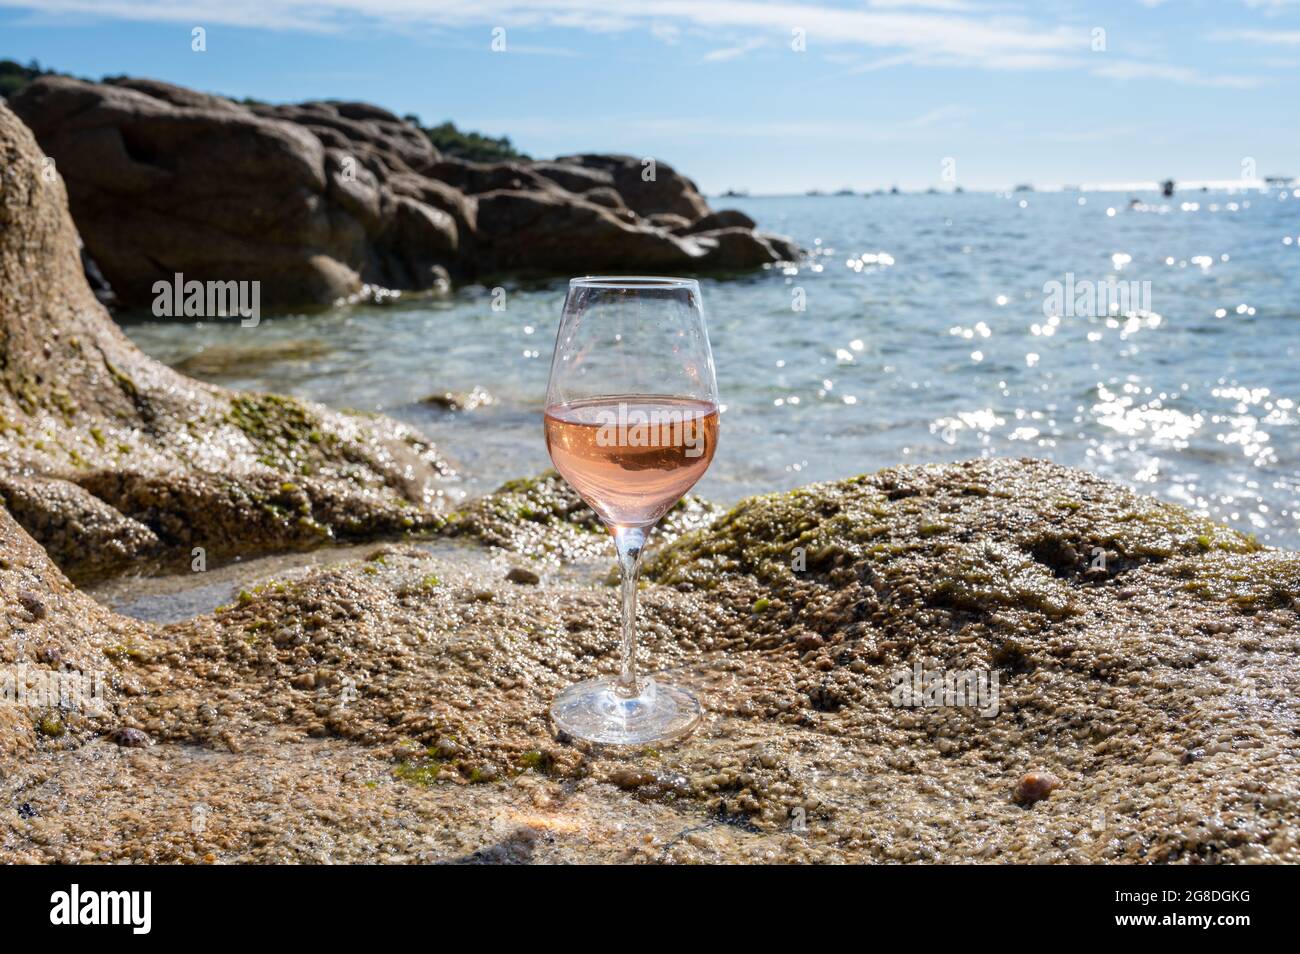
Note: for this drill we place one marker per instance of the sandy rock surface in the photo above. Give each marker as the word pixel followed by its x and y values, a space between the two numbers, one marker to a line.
pixel 394 708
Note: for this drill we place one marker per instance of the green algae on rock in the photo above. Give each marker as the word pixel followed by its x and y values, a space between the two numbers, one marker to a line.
pixel 544 517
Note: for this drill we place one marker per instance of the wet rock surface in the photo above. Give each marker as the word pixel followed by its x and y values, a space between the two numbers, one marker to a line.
pixel 395 708
pixel 543 517
pixel 326 201
pixel 107 457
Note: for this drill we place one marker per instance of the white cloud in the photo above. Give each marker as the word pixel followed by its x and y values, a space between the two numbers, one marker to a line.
pixel 1135 70
pixel 1274 37
pixel 947 33
pixel 731 52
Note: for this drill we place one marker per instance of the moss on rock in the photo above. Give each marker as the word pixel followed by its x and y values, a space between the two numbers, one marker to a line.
pixel 544 517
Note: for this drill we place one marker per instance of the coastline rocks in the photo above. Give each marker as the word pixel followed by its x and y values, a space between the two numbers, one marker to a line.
pixel 393 688
pixel 163 180
pixel 549 232
pixel 649 187
pixel 320 200
pixel 722 219
pixel 107 456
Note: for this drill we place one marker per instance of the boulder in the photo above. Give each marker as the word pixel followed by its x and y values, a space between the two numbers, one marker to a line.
pixel 572 177
pixel 555 231
pixel 668 220
pixel 475 177
pixel 647 186
pixel 163 180
pixel 735 249
pixel 373 135
pixel 722 219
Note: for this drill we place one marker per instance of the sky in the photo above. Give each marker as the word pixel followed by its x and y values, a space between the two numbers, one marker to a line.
pixel 770 97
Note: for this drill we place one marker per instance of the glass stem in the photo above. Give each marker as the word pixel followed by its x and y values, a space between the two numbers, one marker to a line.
pixel 630 541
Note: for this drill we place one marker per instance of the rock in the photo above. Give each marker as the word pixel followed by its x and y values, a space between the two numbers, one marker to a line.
pixel 722 219
pixel 130 738
pixel 460 400
pixel 85 535
pixel 109 457
pixel 553 231
pixel 605 196
pixel 543 518
pixel 311 221
pixel 49 627
pixel 786 248
pixel 1034 787
pixel 520 574
pixel 473 178
pixel 646 189
pixel 736 248
pixel 574 178
pixel 33 604
pixel 374 136
pixel 669 221
pixel 321 202
pixel 864 564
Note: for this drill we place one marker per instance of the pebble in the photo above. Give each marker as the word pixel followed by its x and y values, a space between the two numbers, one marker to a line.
pixel 628 777
pixel 33 604
pixel 521 574
pixel 1035 786
pixel 130 738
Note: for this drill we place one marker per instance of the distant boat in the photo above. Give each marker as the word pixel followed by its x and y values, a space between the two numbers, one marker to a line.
pixel 958 190
pixel 1024 187
pixel 845 192
pixel 893 190
pixel 1167 188
pixel 1069 188
pixel 814 192
pixel 736 194
pixel 1283 181
pixel 932 191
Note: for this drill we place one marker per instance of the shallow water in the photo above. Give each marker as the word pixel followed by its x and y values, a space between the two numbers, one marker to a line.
pixel 172 597
pixel 924 338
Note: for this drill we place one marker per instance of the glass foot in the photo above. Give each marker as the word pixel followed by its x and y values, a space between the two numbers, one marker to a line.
pixel 596 712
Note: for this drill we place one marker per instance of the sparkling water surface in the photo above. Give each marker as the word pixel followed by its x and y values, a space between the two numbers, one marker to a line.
pixel 916 332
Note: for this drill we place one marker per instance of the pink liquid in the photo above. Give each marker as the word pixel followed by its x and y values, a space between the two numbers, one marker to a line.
pixel 631 457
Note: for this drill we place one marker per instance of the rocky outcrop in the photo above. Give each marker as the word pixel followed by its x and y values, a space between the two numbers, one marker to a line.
pixel 163 180
pixel 318 200
pixel 1144 658
pixel 108 457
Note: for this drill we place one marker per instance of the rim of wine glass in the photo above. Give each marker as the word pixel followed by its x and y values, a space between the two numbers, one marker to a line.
pixel 632 281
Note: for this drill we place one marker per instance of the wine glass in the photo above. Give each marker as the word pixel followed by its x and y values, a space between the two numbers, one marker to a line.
pixel 631 424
